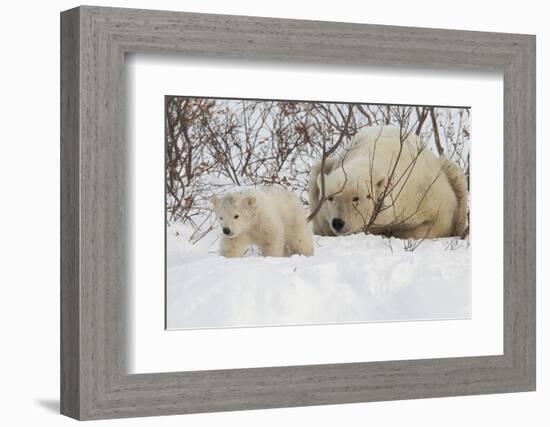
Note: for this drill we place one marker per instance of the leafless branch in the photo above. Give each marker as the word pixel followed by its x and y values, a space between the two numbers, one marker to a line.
pixel 213 145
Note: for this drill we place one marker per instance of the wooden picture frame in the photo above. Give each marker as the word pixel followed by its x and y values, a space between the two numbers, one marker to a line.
pixel 94 382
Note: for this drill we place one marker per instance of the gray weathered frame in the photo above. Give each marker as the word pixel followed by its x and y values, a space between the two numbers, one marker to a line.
pixel 94 41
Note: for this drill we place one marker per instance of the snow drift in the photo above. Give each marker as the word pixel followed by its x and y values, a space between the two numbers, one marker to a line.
pixel 357 278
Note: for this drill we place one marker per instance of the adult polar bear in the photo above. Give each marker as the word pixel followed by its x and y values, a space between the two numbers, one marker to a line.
pixel 423 196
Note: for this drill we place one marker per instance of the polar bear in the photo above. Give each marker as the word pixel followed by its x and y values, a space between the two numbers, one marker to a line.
pixel 270 218
pixel 416 194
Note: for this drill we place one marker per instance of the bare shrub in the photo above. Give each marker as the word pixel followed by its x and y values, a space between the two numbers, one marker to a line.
pixel 216 144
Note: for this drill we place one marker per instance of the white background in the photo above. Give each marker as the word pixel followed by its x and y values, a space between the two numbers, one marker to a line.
pixel 155 350
pixel 30 210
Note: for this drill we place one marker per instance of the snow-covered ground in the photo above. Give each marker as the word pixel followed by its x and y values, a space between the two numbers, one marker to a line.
pixel 355 278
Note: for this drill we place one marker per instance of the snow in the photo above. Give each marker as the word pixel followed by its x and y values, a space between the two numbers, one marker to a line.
pixel 357 278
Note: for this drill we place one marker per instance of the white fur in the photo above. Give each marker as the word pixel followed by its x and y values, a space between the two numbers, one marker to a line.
pixel 272 219
pixel 428 194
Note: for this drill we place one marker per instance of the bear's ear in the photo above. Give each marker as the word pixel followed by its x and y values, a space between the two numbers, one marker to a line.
pixel 319 177
pixel 319 181
pixel 381 183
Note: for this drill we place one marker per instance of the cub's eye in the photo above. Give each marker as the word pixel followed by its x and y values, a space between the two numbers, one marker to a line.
pixel 221 217
pixel 236 216
pixel 330 198
pixel 368 196
pixel 355 199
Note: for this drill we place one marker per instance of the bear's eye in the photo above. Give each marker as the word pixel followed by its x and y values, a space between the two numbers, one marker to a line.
pixel 355 199
pixel 369 197
pixel 236 216
pixel 330 198
pixel 221 218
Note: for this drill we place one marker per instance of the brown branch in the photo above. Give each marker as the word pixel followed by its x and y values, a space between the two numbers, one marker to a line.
pixel 365 113
pixel 327 154
pixel 422 115
pixel 436 132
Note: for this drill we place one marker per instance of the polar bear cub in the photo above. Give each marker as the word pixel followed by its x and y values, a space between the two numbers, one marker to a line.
pixel 270 218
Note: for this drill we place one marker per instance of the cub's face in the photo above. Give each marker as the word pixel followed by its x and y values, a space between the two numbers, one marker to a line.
pixel 235 213
pixel 350 202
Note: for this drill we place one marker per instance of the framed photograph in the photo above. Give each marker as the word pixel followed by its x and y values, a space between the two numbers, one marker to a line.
pixel 382 235
pixel 261 213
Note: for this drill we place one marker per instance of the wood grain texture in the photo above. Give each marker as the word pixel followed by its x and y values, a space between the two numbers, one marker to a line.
pixel 95 237
pixel 70 291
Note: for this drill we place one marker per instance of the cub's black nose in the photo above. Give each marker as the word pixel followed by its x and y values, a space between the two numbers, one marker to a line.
pixel 226 230
pixel 338 224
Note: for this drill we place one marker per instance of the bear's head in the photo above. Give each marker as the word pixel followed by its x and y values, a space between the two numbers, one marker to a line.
pixel 235 212
pixel 350 198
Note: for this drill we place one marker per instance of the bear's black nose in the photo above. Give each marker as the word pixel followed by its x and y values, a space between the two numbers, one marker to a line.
pixel 226 230
pixel 338 224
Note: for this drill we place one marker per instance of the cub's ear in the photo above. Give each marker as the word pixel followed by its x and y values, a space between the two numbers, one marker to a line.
pixel 215 201
pixel 250 201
